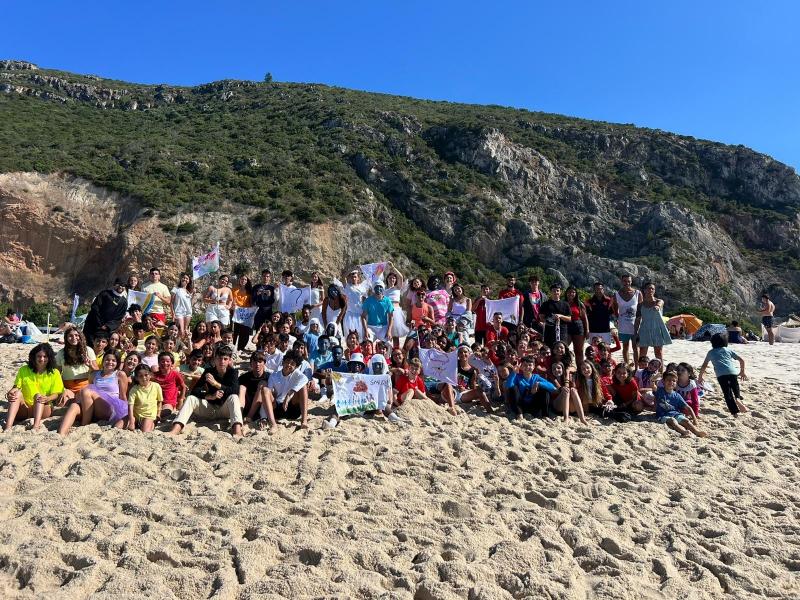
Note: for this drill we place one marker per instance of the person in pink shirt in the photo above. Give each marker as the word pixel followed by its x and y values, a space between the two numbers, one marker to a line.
pixel 438 299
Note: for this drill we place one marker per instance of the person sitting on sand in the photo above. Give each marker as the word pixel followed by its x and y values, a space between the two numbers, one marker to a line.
pixel 215 395
pixel 672 409
pixel 37 385
pixel 727 371
pixel 527 392
pixel 144 400
pixel 735 334
pixel 104 399
pixel 285 395
pixel 75 361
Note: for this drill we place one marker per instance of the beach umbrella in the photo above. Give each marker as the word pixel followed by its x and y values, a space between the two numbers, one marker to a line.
pixel 690 323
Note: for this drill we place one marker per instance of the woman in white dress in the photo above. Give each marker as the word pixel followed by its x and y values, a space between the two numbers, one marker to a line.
pixel 334 307
pixel 356 292
pixel 182 304
pixel 394 292
pixel 317 295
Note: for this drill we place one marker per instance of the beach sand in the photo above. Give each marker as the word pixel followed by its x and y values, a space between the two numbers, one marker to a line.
pixel 470 507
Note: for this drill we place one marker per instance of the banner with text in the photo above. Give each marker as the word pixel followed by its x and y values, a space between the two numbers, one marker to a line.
pixel 293 298
pixel 245 315
pixel 354 393
pixel 442 366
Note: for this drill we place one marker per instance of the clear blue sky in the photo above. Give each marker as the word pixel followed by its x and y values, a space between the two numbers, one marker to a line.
pixel 721 70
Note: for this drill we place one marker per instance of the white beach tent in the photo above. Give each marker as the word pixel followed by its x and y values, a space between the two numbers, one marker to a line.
pixel 788 334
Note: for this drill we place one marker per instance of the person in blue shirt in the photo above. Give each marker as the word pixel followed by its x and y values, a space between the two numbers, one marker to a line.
pixel 527 392
pixel 311 337
pixel 727 371
pixel 377 313
pixel 672 409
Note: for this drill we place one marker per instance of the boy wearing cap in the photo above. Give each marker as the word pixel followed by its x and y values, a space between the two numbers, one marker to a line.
pixel 377 314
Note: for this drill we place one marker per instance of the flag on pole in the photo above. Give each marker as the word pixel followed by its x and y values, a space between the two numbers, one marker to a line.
pixel 509 307
pixel 442 366
pixel 75 300
pixel 206 263
pixel 143 299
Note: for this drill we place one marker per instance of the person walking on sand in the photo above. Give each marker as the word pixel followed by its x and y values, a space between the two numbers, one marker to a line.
pixel 767 310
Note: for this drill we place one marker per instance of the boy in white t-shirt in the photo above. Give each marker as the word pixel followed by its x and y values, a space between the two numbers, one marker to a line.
pixel 285 395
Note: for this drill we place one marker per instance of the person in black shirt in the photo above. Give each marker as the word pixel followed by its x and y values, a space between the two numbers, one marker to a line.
pixel 107 312
pixel 598 311
pixel 249 382
pixel 215 395
pixel 554 314
pixel 264 299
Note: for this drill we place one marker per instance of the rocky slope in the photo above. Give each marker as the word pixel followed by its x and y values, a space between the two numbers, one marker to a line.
pixel 301 175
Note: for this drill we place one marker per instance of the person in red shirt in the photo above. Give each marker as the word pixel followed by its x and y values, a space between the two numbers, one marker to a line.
pixel 496 331
pixel 511 291
pixel 479 308
pixel 172 385
pixel 410 384
pixel 625 390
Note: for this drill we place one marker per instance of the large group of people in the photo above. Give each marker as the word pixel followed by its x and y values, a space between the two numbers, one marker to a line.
pixel 552 356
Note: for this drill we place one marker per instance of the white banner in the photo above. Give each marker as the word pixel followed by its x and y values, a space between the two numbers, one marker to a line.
pixel 485 367
pixel 355 393
pixel 373 272
pixel 245 316
pixel 508 306
pixel 293 298
pixel 442 366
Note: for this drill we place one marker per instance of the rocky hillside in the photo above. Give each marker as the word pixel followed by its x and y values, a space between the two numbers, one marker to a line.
pixel 104 176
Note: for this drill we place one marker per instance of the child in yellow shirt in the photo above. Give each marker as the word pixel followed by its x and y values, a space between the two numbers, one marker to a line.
pixel 144 400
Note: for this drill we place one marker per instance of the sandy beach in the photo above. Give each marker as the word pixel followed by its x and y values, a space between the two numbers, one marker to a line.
pixel 471 507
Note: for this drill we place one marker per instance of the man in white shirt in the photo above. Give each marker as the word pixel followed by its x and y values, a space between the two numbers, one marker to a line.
pixel 285 394
pixel 161 296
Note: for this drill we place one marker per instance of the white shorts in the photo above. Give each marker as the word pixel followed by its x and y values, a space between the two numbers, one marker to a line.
pixel 218 312
pixel 378 332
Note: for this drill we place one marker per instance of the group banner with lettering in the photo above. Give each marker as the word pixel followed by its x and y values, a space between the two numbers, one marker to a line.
pixel 245 315
pixel 442 366
pixel 509 307
pixel 206 263
pixel 293 298
pixel 355 393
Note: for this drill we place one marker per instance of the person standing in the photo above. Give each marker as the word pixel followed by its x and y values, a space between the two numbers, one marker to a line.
pixel 264 299
pixel 649 326
pixel 511 291
pixel 599 309
pixel 624 306
pixel 479 306
pixel 242 295
pixel 767 312
pixel 555 315
pixel 107 312
pixel 161 296
pixel 377 314
pixel 531 303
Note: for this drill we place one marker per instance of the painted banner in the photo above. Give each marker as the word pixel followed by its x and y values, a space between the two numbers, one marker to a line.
pixel 508 306
pixel 143 299
pixel 245 315
pixel 206 263
pixel 293 298
pixel 442 366
pixel 485 367
pixel 373 272
pixel 355 393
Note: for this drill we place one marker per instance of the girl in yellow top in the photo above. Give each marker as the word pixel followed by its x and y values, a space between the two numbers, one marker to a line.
pixel 37 385
pixel 144 400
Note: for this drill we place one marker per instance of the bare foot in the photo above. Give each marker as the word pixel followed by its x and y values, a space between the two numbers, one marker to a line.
pixel 453 410
pixel 742 407
pixel 584 421
pixel 273 429
pixel 304 426
pixel 701 434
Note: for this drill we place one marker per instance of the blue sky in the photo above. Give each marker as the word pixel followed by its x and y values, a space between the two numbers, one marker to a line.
pixel 726 71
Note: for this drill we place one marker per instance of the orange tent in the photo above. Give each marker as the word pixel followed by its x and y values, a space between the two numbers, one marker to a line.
pixel 690 323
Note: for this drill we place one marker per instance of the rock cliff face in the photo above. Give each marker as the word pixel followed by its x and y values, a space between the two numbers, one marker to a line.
pixel 502 190
pixel 61 235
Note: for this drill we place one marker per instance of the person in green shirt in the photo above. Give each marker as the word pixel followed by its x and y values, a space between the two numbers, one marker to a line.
pixel 37 385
